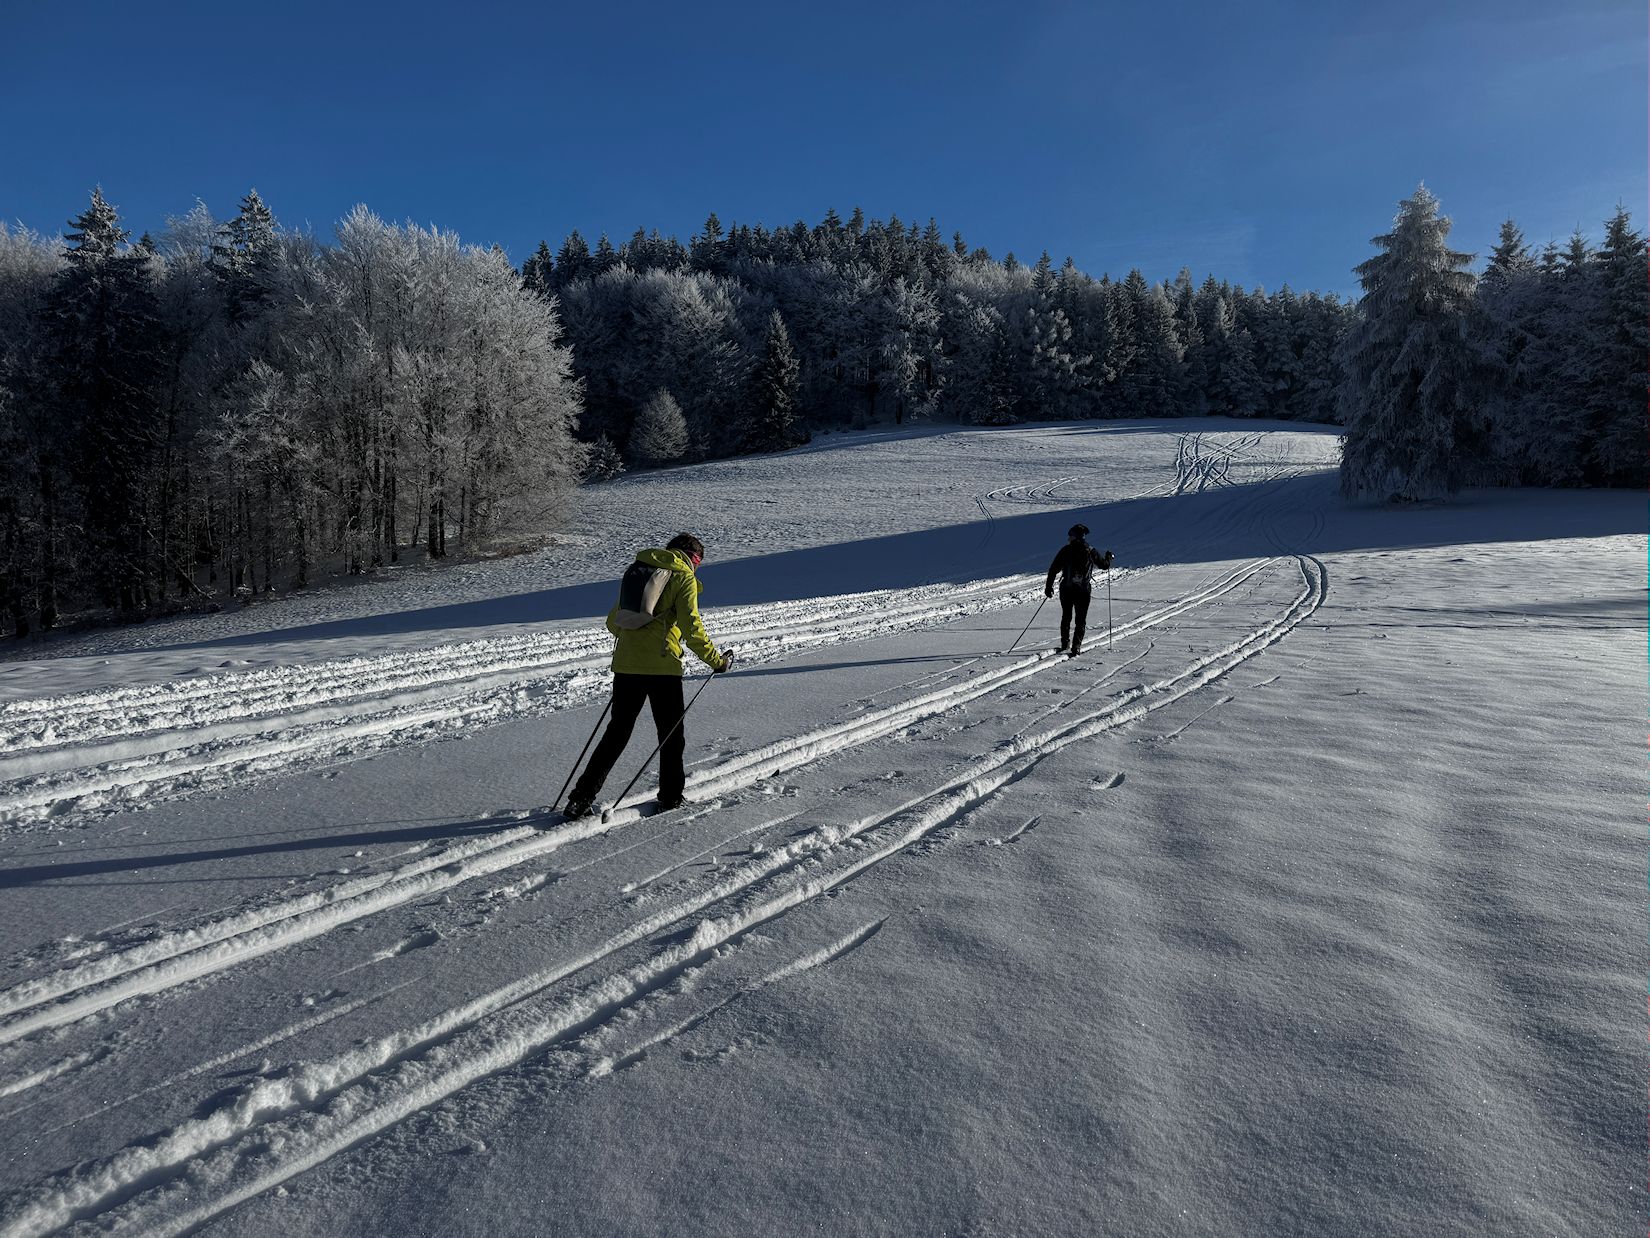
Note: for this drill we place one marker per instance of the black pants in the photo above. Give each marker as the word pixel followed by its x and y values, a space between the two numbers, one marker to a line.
pixel 1074 601
pixel 664 692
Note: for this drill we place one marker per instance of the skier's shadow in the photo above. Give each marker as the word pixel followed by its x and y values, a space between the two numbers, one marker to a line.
pixel 33 874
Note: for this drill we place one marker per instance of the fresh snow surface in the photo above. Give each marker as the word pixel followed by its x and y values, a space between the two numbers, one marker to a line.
pixel 1309 903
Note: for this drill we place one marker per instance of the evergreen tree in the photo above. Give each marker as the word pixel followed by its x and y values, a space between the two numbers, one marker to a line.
pixel 1620 348
pixel 246 241
pixel 104 327
pixel 1194 396
pixel 605 258
pixel 660 435
pixel 1117 349
pixel 602 461
pixel 705 250
pixel 1272 320
pixel 1410 399
pixel 1551 434
pixel 1235 385
pixel 772 425
pixel 572 260
pixel 1153 381
pixel 1042 276
pixel 1508 300
pixel 538 272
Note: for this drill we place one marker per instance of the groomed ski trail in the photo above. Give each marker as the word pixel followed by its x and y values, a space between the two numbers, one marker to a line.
pixel 75 991
pixel 279 1127
pixel 113 748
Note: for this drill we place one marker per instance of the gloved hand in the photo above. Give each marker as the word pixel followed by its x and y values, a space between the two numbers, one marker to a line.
pixel 1106 560
pixel 1048 591
pixel 726 664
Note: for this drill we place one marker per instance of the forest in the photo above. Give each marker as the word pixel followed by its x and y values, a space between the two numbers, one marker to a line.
pixel 234 409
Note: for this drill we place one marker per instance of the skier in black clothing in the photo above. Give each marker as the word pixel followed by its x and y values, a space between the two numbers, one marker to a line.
pixel 1075 566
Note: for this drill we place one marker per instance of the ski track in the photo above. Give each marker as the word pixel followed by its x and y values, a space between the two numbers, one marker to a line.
pixel 108 749
pixel 276 1128
pixel 169 959
pixel 111 748
pixel 630 887
pixel 818 958
pixel 224 1059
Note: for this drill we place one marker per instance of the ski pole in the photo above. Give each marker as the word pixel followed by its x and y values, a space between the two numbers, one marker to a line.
pixel 1027 627
pixel 620 797
pixel 582 751
pixel 1108 608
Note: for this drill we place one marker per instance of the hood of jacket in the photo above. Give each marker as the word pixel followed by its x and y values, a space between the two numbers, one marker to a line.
pixel 670 560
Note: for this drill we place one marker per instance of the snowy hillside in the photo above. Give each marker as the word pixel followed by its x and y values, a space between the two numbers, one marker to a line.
pixel 1307 901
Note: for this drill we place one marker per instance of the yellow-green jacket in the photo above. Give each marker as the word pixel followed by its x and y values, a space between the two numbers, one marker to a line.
pixel 656 649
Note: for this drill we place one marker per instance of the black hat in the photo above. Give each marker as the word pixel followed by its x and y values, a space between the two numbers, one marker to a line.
pixel 687 544
pixel 1078 530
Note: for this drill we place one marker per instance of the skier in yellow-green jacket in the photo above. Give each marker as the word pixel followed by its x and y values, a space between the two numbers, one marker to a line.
pixel 657 614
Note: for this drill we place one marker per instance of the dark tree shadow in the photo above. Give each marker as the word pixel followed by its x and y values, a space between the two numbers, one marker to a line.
pixel 1301 514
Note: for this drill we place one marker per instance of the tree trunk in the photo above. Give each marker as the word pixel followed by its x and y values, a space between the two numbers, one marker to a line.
pixel 48 560
pixel 269 534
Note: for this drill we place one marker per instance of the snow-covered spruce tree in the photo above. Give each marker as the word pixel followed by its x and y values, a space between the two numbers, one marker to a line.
pixel 572 260
pixel 660 435
pixel 907 351
pixel 705 250
pixel 1235 386
pixel 242 253
pixel 1272 321
pixel 602 461
pixel 1547 437
pixel 1153 382
pixel 772 425
pixel 198 353
pixel 1119 348
pixel 1194 397
pixel 103 329
pixel 1508 296
pixel 1620 351
pixel 1412 397
pixel 538 272
pixel 1323 329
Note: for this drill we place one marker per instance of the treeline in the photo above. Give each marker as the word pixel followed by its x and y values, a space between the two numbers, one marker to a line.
pixel 882 321
pixel 1535 373
pixel 223 408
pixel 230 407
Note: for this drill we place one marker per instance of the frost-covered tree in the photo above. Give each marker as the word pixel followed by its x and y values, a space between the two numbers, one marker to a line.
pixel 103 377
pixel 1414 422
pixel 602 461
pixel 1272 322
pixel 1194 398
pixel 1156 375
pixel 705 250
pixel 772 425
pixel 1619 358
pixel 660 435
pixel 539 271
pixel 572 260
pixel 1235 385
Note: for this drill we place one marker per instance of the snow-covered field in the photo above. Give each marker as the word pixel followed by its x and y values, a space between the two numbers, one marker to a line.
pixel 1312 903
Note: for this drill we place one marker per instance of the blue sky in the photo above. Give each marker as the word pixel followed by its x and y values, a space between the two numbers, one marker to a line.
pixel 1265 142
